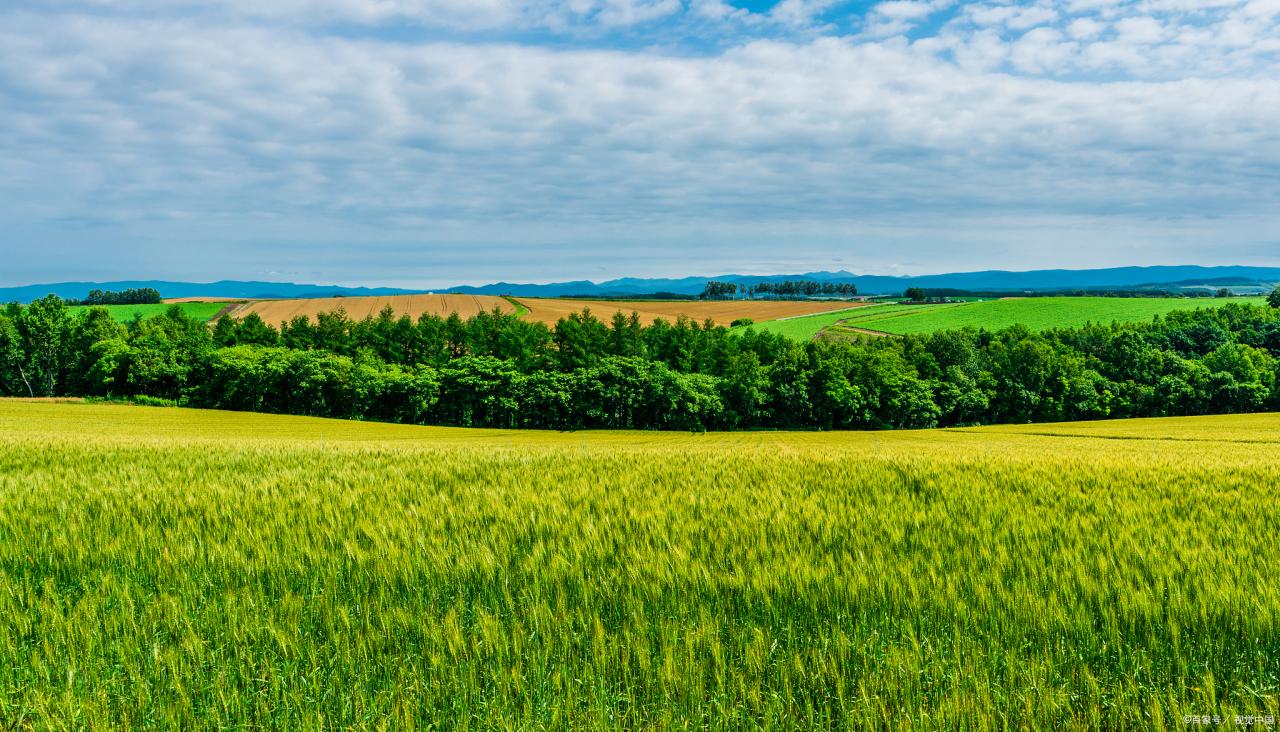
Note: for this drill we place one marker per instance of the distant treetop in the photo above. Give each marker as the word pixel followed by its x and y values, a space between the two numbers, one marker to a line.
pixel 133 296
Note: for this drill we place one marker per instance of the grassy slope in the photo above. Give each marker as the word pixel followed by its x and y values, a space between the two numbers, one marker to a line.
pixel 197 310
pixel 807 327
pixel 1035 313
pixel 802 327
pixel 192 569
pixel 1038 313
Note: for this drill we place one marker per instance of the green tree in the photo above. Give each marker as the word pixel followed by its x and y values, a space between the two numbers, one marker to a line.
pixel 962 397
pixel 744 390
pixel 837 402
pixel 1241 377
pixel 164 349
pixel 407 396
pixel 716 290
pixel 252 330
pixel 333 332
pixel 13 378
pixel 43 326
pixel 430 337
pixel 1274 298
pixel 298 334
pixel 224 332
pixel 455 336
pixel 481 392
pixel 581 340
pixel 87 329
pixel 107 372
pixel 789 401
pixel 626 335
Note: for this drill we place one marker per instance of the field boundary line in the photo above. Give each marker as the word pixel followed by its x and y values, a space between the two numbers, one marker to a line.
pixel 865 331
pixel 229 310
pixel 521 310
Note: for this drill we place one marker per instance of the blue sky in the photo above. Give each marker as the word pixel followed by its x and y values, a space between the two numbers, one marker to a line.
pixel 430 142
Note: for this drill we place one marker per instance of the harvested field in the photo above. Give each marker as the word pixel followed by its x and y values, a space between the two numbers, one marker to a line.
pixel 277 311
pixel 723 312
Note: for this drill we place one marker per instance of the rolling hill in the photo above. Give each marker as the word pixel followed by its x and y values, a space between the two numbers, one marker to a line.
pixel 1037 313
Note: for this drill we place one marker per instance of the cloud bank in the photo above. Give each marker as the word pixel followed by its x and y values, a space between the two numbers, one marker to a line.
pixel 439 141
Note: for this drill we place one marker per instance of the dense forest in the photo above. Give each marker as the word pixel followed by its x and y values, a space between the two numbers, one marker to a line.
pixel 496 370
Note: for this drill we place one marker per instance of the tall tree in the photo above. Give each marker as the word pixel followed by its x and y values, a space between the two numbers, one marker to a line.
pixel 89 328
pixel 43 326
pixel 224 332
pixel 13 377
pixel 253 330
pixel 581 340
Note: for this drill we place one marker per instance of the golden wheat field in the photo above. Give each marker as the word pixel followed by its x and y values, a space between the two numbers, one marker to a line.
pixel 358 308
pixel 543 310
pixel 722 312
pixel 178 568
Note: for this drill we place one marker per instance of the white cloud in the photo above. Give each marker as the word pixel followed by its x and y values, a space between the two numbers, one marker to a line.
pixel 899 16
pixel 905 9
pixel 1082 28
pixel 228 134
pixel 316 106
pixel 716 10
pixel 1041 49
pixel 800 13
pixel 458 14
pixel 1015 17
pixel 1262 9
pixel 1140 30
pixel 1148 39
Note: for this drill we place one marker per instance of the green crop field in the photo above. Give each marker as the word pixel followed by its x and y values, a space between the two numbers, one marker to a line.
pixel 804 326
pixel 808 326
pixel 175 568
pixel 1037 313
pixel 126 313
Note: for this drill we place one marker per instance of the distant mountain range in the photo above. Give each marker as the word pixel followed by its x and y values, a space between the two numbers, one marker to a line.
pixel 222 288
pixel 990 280
pixel 1045 280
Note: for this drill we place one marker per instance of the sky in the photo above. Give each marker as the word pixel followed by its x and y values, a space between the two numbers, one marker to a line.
pixel 438 142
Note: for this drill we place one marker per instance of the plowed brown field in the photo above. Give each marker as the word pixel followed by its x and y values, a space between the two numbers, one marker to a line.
pixel 277 311
pixel 722 312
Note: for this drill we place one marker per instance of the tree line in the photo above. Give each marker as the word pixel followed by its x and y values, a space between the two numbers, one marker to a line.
pixel 130 296
pixel 496 370
pixel 788 288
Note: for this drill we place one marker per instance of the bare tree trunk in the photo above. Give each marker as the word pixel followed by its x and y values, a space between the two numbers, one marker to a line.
pixel 23 374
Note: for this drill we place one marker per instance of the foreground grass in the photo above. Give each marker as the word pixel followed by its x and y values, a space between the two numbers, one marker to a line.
pixel 1037 313
pixel 126 313
pixel 178 568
